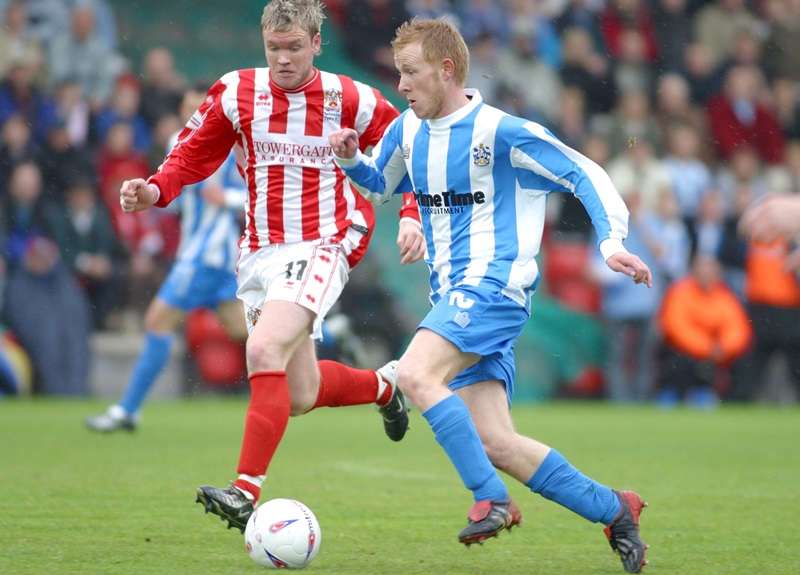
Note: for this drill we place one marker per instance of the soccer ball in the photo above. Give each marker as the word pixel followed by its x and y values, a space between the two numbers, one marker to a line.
pixel 282 533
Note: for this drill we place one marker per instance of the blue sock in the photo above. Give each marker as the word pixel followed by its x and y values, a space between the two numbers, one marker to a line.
pixel 455 432
pixel 151 361
pixel 557 480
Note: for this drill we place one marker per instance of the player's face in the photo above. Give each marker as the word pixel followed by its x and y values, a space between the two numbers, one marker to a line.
pixel 290 55
pixel 420 82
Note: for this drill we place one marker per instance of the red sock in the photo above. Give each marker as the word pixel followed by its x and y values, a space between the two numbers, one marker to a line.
pixel 340 385
pixel 265 423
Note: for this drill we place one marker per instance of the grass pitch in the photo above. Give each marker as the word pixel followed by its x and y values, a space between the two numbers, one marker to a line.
pixel 723 488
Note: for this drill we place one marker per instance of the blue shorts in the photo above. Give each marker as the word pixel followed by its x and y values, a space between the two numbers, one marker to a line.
pixel 189 287
pixel 482 321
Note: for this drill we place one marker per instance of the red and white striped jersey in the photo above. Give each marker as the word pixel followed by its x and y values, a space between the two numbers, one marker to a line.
pixel 280 138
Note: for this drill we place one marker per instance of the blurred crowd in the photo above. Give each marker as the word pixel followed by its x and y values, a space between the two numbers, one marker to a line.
pixel 692 106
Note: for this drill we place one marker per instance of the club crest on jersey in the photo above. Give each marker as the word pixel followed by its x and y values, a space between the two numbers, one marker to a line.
pixel 332 101
pixel 481 155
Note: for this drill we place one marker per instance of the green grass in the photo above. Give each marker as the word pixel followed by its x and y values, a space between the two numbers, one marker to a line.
pixel 723 490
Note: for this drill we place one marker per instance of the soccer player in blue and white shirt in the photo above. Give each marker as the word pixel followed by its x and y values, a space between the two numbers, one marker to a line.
pixel 203 276
pixel 481 178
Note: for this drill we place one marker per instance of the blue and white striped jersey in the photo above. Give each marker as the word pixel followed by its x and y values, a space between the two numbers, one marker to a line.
pixel 481 178
pixel 210 233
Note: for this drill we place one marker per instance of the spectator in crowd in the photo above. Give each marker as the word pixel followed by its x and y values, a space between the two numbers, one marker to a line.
pixel 673 31
pixel 723 230
pixel 570 125
pixel 586 69
pixel 49 315
pixel 166 125
pixel 628 310
pixel 124 107
pixel 519 67
pixel 531 19
pixel 632 71
pixel 162 86
pixel 702 73
pixel 16 43
pixel 432 9
pixel 621 16
pixel 773 296
pixel 16 145
pixel 482 17
pixel 370 24
pixel 737 117
pixel 742 175
pixel 718 24
pixel 787 106
pixel 20 95
pixel 88 246
pixel 80 55
pixel 689 176
pixel 632 123
pixel 582 14
pixel 783 42
pixel 705 329
pixel 24 211
pixel 62 162
pixel 46 19
pixel 483 66
pixel 637 169
pixel 73 111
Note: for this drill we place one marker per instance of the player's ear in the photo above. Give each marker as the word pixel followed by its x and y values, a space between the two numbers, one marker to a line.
pixel 448 69
pixel 316 44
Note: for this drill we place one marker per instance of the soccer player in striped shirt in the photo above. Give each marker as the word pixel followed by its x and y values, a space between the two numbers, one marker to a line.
pixel 305 229
pixel 203 276
pixel 481 178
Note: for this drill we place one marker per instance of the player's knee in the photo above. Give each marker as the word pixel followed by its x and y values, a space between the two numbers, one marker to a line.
pixel 413 382
pixel 500 449
pixel 264 355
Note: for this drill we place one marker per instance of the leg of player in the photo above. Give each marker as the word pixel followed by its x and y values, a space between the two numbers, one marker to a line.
pixel 231 316
pixel 282 328
pixel 545 471
pixel 327 383
pixel 160 322
pixel 424 370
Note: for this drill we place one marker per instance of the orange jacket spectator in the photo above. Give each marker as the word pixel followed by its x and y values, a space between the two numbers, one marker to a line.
pixel 768 280
pixel 707 323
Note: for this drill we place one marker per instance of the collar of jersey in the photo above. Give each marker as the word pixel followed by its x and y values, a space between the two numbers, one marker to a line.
pixel 475 100
pixel 276 88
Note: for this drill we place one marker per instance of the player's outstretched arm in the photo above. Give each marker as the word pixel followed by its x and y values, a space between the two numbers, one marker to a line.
pixel 137 195
pixel 631 265
pixel 774 217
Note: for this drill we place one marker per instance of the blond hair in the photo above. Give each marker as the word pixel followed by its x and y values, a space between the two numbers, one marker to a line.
pixel 285 14
pixel 439 40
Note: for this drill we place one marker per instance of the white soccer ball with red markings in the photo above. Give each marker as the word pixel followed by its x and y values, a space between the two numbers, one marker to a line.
pixel 282 534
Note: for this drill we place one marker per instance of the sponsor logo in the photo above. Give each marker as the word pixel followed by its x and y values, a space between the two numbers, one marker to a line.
pixel 292 154
pixel 449 202
pixel 481 155
pixel 278 525
pixel 263 99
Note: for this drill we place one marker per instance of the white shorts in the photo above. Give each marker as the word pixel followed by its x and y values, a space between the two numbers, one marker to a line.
pixel 311 274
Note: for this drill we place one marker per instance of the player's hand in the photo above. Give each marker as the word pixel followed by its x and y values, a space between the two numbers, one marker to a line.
pixel 410 241
pixel 630 265
pixel 213 194
pixel 774 217
pixel 344 142
pixel 137 195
